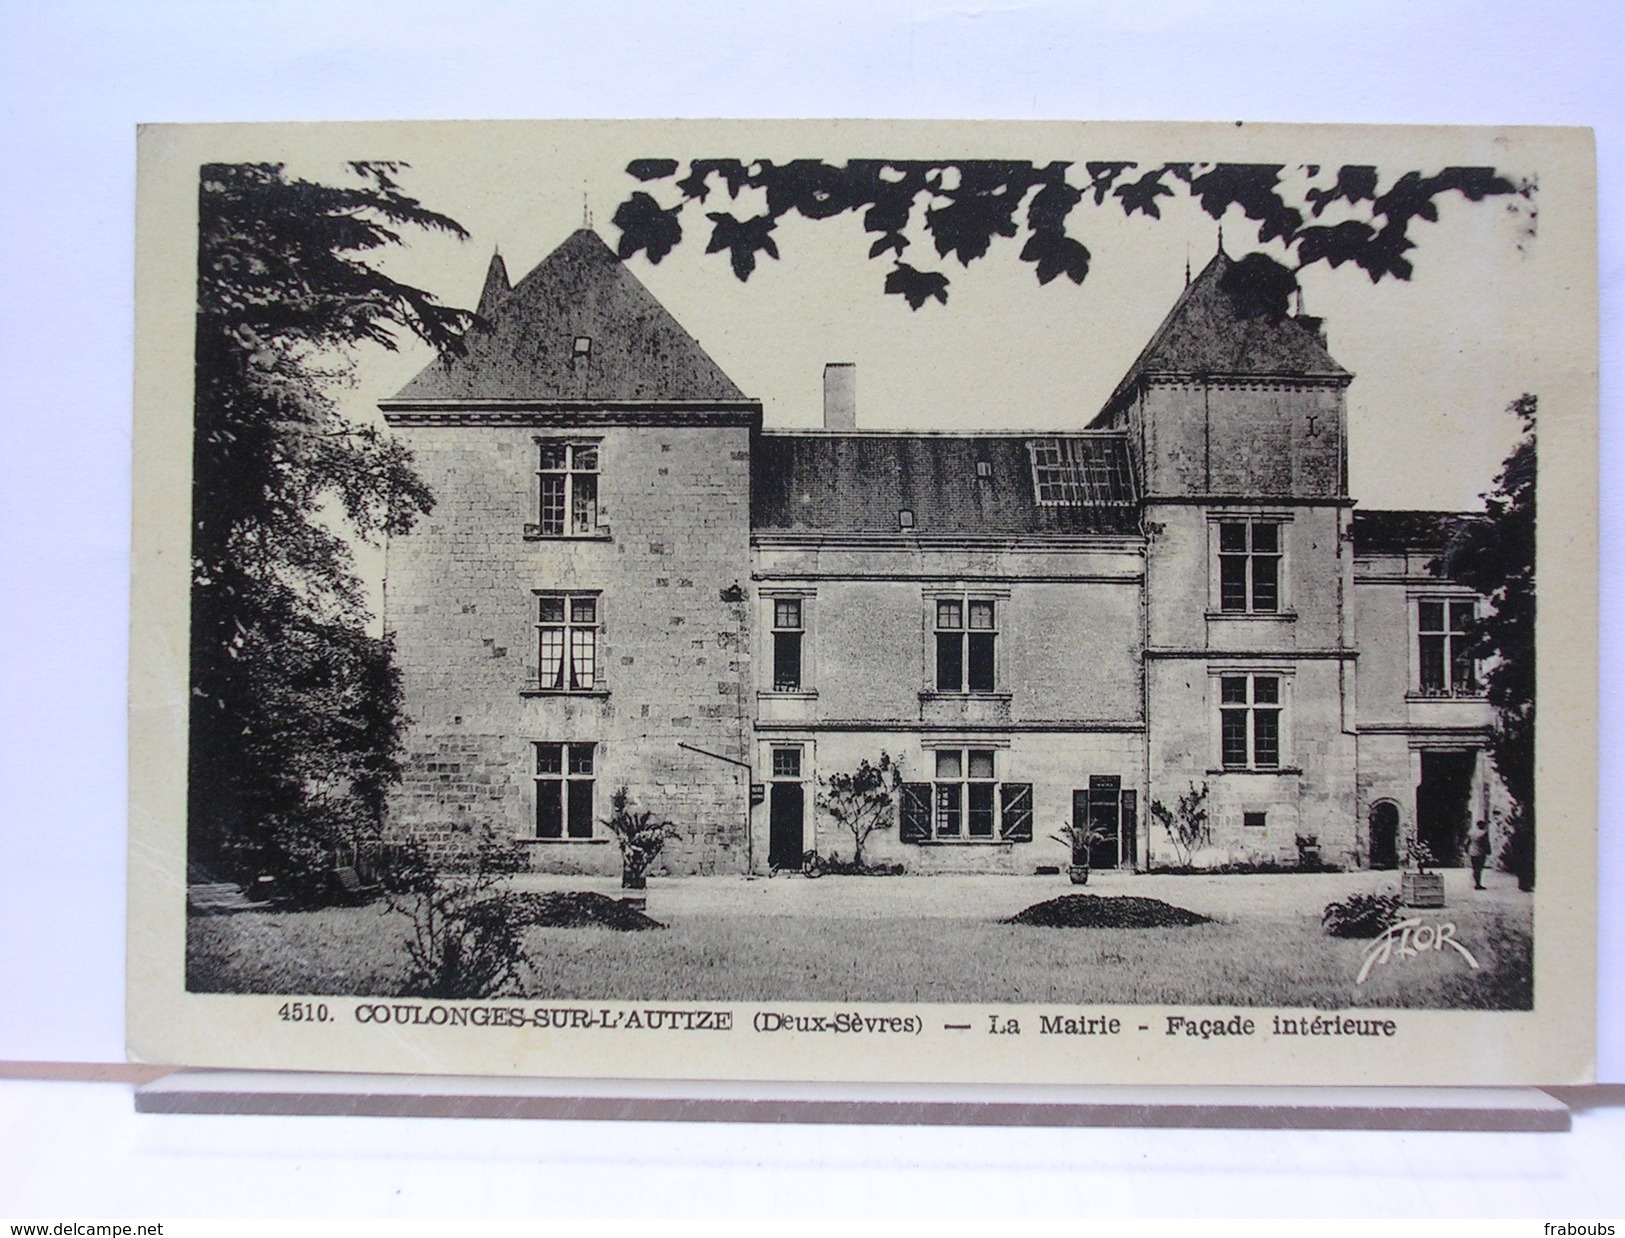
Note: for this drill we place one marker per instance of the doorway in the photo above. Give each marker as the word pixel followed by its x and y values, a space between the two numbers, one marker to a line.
pixel 1100 806
pixel 1444 804
pixel 786 810
pixel 1384 823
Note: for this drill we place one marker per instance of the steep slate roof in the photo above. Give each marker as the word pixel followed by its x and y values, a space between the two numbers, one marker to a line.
pixel 1396 532
pixel 857 483
pixel 496 287
pixel 1210 330
pixel 638 352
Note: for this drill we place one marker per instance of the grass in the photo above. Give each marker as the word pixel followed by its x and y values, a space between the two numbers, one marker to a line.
pixel 1265 960
pixel 358 951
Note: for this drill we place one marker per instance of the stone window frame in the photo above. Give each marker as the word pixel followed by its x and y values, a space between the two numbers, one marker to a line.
pixel 1455 646
pixel 806 601
pixel 1250 558
pixel 937 634
pixel 572 478
pixel 566 777
pixel 568 626
pixel 1005 799
pixel 1281 708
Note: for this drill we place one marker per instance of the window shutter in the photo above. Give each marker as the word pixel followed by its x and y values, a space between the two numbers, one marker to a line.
pixel 1131 824
pixel 1016 801
pixel 914 813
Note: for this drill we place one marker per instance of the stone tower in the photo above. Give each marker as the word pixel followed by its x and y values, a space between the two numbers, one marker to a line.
pixel 569 618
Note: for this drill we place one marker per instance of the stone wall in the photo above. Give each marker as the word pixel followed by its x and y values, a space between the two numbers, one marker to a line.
pixel 673 648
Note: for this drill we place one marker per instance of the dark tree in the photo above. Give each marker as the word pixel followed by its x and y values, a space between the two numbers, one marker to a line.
pixel 295 708
pixel 964 205
pixel 1495 554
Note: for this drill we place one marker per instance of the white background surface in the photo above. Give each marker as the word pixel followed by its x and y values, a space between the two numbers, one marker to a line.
pixel 75 78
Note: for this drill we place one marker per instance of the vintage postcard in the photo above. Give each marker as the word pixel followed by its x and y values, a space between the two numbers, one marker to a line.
pixel 866 601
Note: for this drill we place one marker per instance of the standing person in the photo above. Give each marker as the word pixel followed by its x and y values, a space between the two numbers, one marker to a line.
pixel 1478 850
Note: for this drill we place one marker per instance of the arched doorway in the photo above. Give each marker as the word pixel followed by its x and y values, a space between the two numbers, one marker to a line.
pixel 1384 823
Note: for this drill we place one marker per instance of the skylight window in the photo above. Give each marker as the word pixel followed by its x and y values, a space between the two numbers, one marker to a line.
pixel 1080 472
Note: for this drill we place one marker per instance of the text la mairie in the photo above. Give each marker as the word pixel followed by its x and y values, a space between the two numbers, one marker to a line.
pixel 629 581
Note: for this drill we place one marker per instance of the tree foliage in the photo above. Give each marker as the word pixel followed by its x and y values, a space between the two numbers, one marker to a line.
pixel 860 801
pixel 1495 554
pixel 963 206
pixel 295 707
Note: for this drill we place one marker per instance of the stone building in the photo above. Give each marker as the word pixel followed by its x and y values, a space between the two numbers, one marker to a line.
pixel 629 581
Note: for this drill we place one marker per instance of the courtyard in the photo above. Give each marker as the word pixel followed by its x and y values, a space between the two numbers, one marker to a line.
pixel 925 939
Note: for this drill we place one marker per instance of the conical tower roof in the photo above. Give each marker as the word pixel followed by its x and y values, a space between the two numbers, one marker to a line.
pixel 580 327
pixel 1220 327
pixel 496 288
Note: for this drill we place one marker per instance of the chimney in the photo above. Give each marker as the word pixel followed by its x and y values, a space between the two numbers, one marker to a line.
pixel 840 396
pixel 1315 326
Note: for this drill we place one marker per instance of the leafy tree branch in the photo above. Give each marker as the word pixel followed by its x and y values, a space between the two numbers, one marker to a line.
pixel 962 206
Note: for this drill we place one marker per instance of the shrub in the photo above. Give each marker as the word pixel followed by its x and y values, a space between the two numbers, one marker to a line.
pixel 1518 853
pixel 1243 868
pixel 1420 854
pixel 1186 823
pixel 1360 915
pixel 467 934
pixel 578 909
pixel 833 864
pixel 399 867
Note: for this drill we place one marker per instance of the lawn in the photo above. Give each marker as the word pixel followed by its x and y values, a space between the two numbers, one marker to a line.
pixel 1267 959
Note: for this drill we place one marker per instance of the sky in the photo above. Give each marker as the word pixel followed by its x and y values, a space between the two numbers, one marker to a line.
pixel 1436 359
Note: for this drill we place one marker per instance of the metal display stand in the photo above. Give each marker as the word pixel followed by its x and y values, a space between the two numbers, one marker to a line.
pixel 1242 1108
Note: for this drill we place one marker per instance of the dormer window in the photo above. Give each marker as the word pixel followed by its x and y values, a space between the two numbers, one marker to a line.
pixel 582 349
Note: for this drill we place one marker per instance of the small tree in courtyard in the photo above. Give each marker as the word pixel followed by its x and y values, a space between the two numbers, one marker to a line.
pixel 861 802
pixel 1186 823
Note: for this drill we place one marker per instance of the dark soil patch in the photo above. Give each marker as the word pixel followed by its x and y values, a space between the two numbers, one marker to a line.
pixel 1098 911
pixel 578 910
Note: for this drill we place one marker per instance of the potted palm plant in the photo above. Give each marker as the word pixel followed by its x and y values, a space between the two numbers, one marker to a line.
pixel 1421 888
pixel 641 836
pixel 1078 837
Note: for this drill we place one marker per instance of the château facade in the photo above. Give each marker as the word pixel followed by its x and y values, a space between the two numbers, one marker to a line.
pixel 629 581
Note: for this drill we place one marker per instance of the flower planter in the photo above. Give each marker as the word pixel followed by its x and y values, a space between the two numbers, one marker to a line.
pixel 634 881
pixel 1079 875
pixel 1422 889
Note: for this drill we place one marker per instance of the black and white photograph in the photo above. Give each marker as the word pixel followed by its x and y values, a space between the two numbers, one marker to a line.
pixel 863 600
